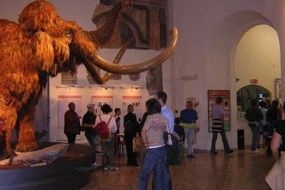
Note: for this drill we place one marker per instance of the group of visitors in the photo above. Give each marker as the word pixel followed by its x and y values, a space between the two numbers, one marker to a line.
pixel 90 120
pixel 156 126
pixel 261 118
pixel 162 136
pixel 188 118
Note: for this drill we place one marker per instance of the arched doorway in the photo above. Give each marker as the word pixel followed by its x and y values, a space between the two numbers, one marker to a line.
pixel 245 94
pixel 256 65
pixel 222 50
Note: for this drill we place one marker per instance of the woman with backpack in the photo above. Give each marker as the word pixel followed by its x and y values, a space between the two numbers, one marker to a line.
pixel 105 127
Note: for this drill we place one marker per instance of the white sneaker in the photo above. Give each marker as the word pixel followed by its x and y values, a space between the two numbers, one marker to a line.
pixel 115 168
pixel 254 151
pixel 93 164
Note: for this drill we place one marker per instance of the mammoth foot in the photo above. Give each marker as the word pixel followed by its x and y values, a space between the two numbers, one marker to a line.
pixel 26 146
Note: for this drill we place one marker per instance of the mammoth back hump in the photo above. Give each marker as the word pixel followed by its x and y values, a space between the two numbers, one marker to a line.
pixel 9 31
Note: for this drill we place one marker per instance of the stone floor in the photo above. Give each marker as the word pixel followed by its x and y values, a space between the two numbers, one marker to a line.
pixel 241 170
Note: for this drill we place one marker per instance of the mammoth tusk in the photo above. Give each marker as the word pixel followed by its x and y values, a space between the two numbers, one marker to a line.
pixel 96 75
pixel 139 67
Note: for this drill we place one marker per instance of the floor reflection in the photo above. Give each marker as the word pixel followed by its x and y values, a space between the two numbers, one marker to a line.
pixel 241 170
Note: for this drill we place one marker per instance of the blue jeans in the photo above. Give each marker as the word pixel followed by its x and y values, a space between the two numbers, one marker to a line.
pixel 189 133
pixel 255 132
pixel 155 160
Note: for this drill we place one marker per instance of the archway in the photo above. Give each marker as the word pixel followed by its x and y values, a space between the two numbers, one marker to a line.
pixel 257 65
pixel 245 94
pixel 221 57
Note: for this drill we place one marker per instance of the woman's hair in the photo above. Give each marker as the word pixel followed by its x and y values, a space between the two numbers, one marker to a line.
pixel 106 108
pixel 117 110
pixel 153 106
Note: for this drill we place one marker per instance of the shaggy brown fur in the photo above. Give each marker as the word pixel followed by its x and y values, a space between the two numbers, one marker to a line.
pixel 40 45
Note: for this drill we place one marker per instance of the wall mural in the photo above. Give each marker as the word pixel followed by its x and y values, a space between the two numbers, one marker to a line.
pixel 145 21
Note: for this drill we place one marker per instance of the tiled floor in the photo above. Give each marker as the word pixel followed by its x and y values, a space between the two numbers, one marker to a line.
pixel 241 170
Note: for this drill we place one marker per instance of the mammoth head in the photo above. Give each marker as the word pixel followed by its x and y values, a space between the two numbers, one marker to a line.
pixel 60 45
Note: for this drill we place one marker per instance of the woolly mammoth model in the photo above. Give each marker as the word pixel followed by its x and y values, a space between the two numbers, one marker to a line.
pixel 43 44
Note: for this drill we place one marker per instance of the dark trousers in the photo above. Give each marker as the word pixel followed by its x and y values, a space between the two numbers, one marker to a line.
pixel 172 153
pixel 132 157
pixel 155 161
pixel 255 133
pixel 70 138
pixel 116 143
pixel 108 153
pixel 91 138
pixel 224 139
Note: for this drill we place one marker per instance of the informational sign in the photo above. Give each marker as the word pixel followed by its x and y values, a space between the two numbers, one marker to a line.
pixel 137 102
pixel 212 95
pixel 100 100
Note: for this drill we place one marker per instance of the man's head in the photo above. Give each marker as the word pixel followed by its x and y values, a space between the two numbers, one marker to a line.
pixel 189 105
pixel 161 97
pixel 130 108
pixel 90 107
pixel 71 106
pixel 219 100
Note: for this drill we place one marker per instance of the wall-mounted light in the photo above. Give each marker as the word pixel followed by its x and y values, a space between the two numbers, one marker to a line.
pixel 107 87
pixel 137 87
pixel 69 86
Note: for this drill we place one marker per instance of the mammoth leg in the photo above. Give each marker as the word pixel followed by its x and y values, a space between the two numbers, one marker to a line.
pixel 26 139
pixel 8 122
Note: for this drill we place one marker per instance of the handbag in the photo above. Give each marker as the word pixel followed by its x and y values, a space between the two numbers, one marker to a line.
pixel 137 144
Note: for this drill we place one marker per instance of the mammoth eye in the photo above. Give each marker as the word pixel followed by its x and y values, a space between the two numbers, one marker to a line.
pixel 68 33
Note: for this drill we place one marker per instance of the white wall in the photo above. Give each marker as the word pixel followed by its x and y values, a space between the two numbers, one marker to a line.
pixel 210 31
pixel 257 56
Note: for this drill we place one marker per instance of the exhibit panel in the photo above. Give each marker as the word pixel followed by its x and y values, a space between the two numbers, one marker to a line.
pixel 119 96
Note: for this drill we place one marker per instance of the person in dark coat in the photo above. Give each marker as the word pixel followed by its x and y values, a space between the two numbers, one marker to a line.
pixel 118 122
pixel 71 123
pixel 88 124
pixel 254 116
pixel 131 128
pixel 179 130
